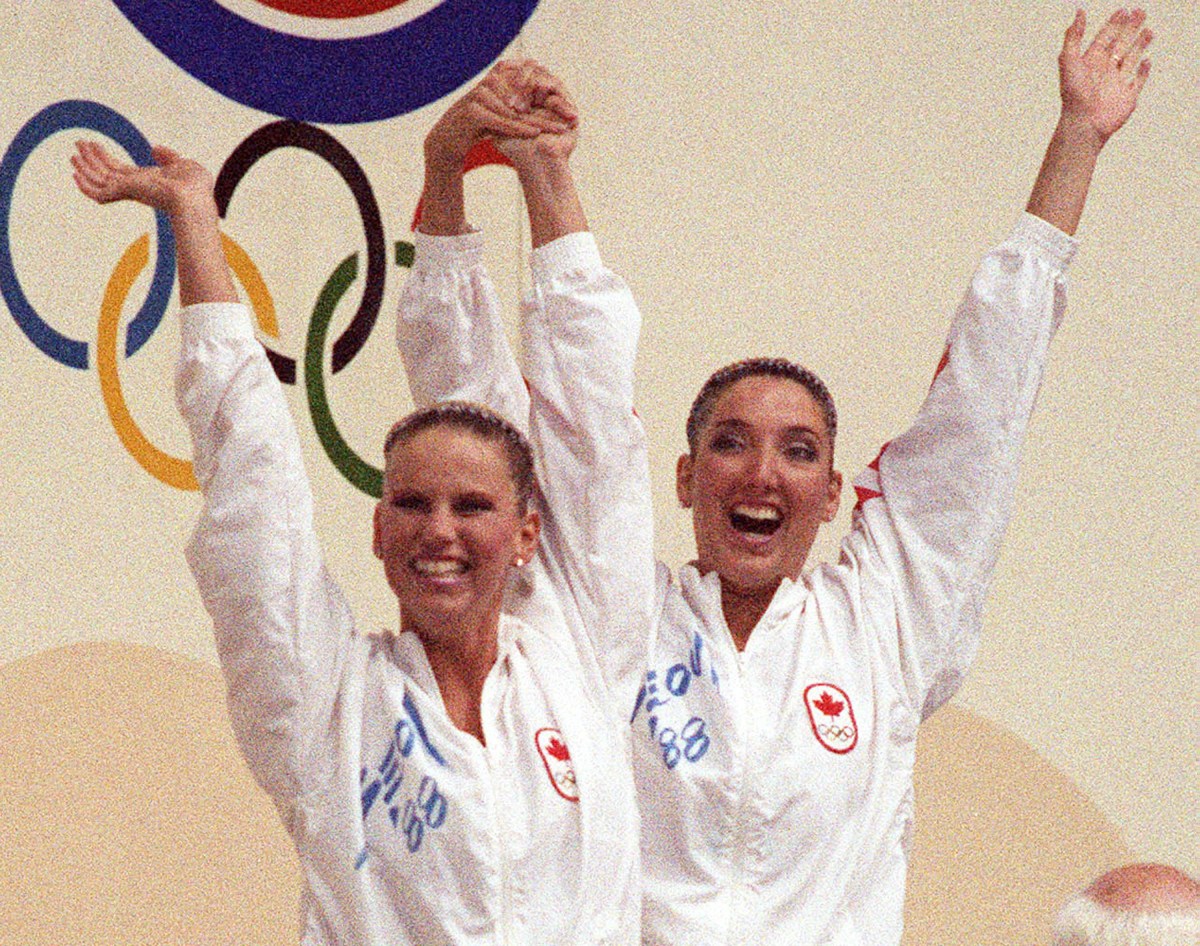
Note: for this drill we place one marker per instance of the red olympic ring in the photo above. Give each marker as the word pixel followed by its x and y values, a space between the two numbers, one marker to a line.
pixel 331 9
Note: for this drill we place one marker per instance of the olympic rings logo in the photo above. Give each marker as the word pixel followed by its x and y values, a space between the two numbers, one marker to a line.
pixel 74 353
pixel 332 81
pixel 840 733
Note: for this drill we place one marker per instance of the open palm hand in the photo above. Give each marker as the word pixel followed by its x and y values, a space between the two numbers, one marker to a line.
pixel 1100 86
pixel 172 183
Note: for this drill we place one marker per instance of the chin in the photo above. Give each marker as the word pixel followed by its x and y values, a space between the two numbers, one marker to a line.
pixel 749 577
pixel 421 610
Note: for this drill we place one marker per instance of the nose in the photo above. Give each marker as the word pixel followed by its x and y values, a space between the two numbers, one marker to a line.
pixel 438 525
pixel 763 468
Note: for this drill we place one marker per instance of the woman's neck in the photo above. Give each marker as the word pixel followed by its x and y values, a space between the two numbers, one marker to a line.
pixel 461 660
pixel 743 610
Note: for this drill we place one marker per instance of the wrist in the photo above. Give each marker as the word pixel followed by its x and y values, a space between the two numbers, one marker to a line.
pixel 1078 133
pixel 193 211
pixel 552 201
pixel 444 156
pixel 543 166
pixel 443 205
pixel 444 172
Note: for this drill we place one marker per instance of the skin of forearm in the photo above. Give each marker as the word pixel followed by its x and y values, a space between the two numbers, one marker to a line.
pixel 1061 188
pixel 204 275
pixel 550 197
pixel 443 207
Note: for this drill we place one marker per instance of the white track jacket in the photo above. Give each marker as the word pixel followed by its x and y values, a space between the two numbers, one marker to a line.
pixel 408 830
pixel 775 785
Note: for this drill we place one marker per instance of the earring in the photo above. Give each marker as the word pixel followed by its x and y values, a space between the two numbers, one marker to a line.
pixel 520 561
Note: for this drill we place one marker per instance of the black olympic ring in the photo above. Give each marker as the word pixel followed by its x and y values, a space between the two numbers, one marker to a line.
pixel 293 134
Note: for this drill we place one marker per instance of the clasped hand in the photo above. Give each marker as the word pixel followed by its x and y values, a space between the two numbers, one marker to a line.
pixel 519 105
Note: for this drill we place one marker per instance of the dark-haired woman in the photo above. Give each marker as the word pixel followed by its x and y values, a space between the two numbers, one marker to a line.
pixel 775 728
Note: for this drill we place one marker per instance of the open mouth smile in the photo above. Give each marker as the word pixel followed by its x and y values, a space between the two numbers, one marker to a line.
pixel 763 521
pixel 439 568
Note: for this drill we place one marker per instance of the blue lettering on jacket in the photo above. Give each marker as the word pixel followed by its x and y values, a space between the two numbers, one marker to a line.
pixel 415 814
pixel 691 741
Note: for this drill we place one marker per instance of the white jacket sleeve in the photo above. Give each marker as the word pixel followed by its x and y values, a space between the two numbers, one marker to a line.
pixel 581 329
pixel 580 333
pixel 282 626
pixel 933 507
pixel 449 331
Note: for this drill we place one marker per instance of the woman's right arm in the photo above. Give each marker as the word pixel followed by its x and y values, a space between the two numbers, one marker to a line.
pixel 281 624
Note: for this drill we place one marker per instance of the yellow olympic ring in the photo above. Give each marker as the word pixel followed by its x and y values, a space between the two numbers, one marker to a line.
pixel 168 469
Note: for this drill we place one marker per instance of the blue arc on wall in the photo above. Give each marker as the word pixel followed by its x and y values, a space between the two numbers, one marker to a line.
pixel 92 116
pixel 332 81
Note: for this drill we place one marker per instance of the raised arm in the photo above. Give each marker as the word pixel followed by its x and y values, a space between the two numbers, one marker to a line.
pixel 580 331
pixel 181 189
pixel 1099 90
pixel 934 506
pixel 449 331
pixel 281 625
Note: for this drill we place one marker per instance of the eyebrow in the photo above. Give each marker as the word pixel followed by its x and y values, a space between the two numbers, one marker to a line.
pixel 795 430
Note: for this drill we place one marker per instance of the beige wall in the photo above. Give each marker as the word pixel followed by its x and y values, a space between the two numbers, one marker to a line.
pixel 786 178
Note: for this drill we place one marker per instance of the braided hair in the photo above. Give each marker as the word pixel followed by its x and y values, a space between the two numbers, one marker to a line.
pixel 485 424
pixel 722 378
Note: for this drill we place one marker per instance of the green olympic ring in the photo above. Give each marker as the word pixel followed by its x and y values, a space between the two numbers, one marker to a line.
pixel 358 471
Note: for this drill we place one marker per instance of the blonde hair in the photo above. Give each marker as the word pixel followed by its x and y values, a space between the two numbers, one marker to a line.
pixel 485 424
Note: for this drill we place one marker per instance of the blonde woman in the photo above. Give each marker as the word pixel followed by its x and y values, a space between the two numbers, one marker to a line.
pixel 467 780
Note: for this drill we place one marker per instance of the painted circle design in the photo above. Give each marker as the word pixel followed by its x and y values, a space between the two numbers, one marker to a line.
pixel 366 477
pixel 361 474
pixel 163 467
pixel 174 471
pixel 285 134
pixel 332 81
pixel 331 9
pixel 78 113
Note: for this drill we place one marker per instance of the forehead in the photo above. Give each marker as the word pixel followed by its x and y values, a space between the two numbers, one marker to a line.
pixel 450 457
pixel 770 403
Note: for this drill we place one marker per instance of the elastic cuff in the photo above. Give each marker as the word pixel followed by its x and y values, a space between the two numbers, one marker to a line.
pixel 448 252
pixel 1048 237
pixel 215 320
pixel 573 253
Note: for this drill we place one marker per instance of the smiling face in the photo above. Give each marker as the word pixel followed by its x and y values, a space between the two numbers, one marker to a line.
pixel 448 528
pixel 760 482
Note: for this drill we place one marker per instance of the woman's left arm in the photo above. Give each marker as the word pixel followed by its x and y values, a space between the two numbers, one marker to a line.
pixel 1099 89
pixel 933 507
pixel 581 329
pixel 449 330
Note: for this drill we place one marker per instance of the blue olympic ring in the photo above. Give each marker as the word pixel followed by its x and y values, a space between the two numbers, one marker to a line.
pixel 78 113
pixel 334 81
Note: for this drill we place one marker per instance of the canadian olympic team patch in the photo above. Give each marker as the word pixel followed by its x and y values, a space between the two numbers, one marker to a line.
pixel 329 78
pixel 832 717
pixel 557 759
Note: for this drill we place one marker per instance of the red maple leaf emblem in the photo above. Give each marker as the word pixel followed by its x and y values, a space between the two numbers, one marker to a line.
pixel 558 749
pixel 828 705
